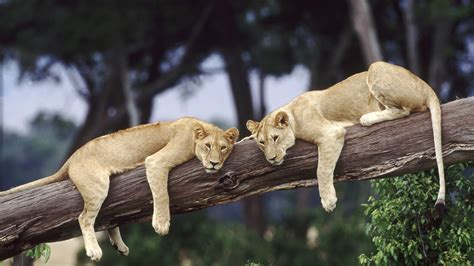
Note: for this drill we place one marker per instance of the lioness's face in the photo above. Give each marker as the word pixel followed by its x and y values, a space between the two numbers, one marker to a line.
pixel 213 148
pixel 273 136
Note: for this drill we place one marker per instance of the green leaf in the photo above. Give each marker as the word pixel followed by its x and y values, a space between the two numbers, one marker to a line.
pixel 39 251
pixel 46 253
pixel 418 255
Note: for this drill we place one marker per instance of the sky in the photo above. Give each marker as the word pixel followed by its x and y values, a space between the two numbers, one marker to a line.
pixel 211 97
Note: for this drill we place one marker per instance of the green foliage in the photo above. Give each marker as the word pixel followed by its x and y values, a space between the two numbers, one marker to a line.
pixel 404 229
pixel 41 250
pixel 315 239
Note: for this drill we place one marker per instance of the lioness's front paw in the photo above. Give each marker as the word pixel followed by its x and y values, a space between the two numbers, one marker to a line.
pixel 93 251
pixel 161 226
pixel 329 204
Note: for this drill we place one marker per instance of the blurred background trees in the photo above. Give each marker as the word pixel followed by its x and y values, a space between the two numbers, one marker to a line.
pixel 120 55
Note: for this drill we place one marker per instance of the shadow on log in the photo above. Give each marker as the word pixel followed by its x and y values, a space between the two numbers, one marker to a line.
pixel 50 213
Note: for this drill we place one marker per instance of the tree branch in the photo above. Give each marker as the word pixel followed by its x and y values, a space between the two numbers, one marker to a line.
pixel 49 213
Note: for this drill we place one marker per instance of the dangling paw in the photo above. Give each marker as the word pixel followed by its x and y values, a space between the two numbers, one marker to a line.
pixel 121 248
pixel 329 204
pixel 161 225
pixel 93 251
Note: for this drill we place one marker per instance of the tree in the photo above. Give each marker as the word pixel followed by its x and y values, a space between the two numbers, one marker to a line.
pixel 290 33
pixel 117 59
pixel 442 41
pixel 411 35
pixel 364 27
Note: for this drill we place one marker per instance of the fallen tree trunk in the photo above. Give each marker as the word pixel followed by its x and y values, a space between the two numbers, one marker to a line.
pixel 49 213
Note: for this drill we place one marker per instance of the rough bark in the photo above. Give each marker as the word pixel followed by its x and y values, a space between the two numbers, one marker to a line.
pixel 49 213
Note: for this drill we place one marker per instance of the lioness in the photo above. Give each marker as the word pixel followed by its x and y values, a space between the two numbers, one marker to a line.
pixel 384 92
pixel 161 146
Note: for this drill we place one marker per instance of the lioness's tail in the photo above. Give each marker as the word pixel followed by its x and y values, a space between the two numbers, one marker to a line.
pixel 435 110
pixel 60 175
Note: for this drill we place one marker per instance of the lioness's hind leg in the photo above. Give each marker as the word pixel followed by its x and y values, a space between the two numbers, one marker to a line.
pixel 394 88
pixel 116 241
pixel 389 113
pixel 94 187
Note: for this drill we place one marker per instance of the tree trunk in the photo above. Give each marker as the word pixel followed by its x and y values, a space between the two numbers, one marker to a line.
pixel 22 260
pixel 441 37
pixel 411 36
pixel 103 101
pixel 363 24
pixel 121 63
pixel 324 63
pixel 49 213
pixel 315 55
pixel 261 89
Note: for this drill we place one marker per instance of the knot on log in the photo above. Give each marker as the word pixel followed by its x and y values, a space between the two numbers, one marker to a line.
pixel 228 181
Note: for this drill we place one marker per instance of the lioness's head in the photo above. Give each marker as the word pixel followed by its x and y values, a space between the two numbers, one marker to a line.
pixel 213 146
pixel 273 135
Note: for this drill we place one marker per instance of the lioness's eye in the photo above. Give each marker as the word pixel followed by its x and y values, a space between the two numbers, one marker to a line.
pixel 261 142
pixel 208 146
pixel 275 138
pixel 223 148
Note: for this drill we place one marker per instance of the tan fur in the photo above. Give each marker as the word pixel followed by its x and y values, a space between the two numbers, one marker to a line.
pixel 161 146
pixel 384 92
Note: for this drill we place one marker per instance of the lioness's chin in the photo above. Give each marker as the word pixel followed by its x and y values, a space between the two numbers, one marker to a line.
pixel 276 163
pixel 211 171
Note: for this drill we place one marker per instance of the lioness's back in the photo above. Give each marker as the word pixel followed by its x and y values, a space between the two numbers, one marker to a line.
pixel 136 142
pixel 347 100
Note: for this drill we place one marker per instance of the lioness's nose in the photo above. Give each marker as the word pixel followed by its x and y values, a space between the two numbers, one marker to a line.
pixel 213 163
pixel 272 159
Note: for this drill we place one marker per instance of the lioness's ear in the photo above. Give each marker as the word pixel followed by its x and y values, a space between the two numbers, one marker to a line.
pixel 198 131
pixel 281 119
pixel 252 126
pixel 232 134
